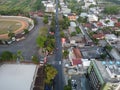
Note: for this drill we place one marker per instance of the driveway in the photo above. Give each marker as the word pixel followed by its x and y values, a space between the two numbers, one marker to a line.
pixel 27 46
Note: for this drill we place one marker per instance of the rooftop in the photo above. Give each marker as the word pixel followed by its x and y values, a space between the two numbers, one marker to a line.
pixel 16 76
pixel 110 70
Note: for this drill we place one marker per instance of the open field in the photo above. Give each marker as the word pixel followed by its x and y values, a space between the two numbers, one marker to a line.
pixel 8 26
pixel 12 24
pixel 19 5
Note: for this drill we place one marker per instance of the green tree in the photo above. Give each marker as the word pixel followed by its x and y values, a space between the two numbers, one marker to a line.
pixel 35 59
pixel 41 41
pixel 62 34
pixel 26 31
pixel 111 10
pixel 65 54
pixel 6 56
pixel 50 44
pixel 108 47
pixel 82 20
pixel 78 30
pixel 107 21
pixel 67 87
pixel 50 73
pixel 73 34
pixel 10 34
pixel 45 20
pixel 118 19
pixel 19 55
pixel 103 56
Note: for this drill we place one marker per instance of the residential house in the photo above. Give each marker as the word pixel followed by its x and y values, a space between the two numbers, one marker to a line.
pixel 50 7
pixel 65 10
pixel 111 38
pixel 83 14
pixel 88 3
pixel 75 56
pixel 99 36
pixel 92 18
pixel 72 16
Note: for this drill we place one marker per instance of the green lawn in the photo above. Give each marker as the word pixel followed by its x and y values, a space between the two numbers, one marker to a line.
pixel 6 26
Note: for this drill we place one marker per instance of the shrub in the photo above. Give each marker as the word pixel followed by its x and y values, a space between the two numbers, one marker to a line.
pixel 6 56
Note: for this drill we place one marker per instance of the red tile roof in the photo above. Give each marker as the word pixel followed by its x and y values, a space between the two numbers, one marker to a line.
pixel 76 61
pixel 99 24
pixel 77 53
pixel 117 24
pixel 99 36
pixel 87 25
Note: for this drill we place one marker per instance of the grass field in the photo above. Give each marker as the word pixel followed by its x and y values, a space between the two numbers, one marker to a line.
pixel 24 5
pixel 6 26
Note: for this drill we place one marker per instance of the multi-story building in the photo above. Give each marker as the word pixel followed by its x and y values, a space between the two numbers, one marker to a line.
pixel 104 75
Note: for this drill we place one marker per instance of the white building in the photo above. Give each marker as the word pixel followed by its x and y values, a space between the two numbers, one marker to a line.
pixel 92 18
pixel 89 2
pixel 17 76
pixel 50 7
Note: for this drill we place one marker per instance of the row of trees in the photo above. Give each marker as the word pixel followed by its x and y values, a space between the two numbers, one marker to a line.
pixel 9 56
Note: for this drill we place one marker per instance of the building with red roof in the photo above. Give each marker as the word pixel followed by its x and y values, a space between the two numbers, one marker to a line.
pixel 117 24
pixel 99 36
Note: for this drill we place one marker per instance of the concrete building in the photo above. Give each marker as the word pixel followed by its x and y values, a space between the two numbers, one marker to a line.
pixel 92 18
pixel 104 75
pixel 50 7
pixel 17 76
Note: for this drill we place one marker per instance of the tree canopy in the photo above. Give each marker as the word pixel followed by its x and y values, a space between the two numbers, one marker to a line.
pixel 50 73
pixel 6 55
pixel 111 10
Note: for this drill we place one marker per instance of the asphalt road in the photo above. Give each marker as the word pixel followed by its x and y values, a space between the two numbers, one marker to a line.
pixel 27 46
pixel 59 83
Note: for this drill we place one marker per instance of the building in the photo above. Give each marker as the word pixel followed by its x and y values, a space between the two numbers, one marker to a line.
pixel 99 36
pixel 104 75
pixel 72 16
pixel 16 76
pixel 50 7
pixel 92 18
pixel 21 76
pixel 75 56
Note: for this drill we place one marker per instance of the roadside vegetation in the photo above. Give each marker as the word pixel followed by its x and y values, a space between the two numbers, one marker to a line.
pixel 7 56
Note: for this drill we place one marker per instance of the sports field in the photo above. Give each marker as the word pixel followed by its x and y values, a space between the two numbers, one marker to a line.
pixel 13 24
pixel 9 26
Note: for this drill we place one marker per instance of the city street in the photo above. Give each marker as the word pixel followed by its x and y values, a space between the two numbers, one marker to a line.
pixel 28 46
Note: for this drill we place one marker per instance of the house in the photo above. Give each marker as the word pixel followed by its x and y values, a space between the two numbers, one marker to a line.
pixel 92 18
pixel 72 16
pixel 99 24
pixel 99 36
pixel 89 2
pixel 50 7
pixel 75 56
pixel 94 10
pixel 83 14
pixel 111 38
pixel 73 24
pixel 117 24
pixel 65 10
